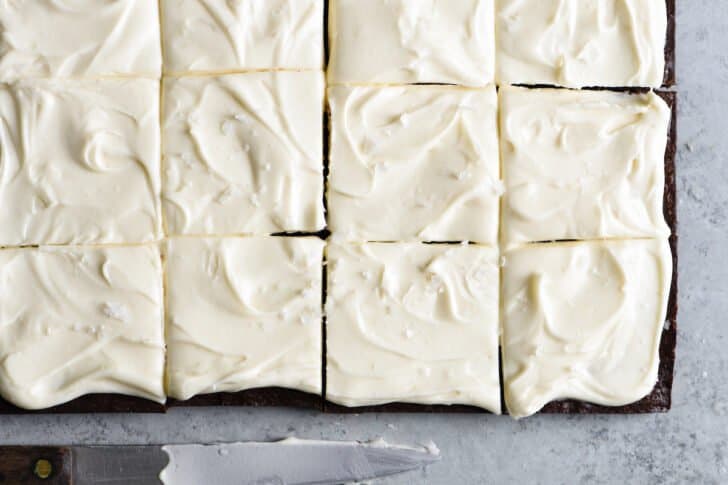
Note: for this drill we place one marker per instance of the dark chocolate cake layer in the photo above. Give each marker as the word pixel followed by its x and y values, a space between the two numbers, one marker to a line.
pixel 261 397
pixel 670 46
pixel 92 403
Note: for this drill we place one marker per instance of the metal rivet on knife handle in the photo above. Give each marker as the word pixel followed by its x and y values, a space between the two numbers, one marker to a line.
pixel 43 468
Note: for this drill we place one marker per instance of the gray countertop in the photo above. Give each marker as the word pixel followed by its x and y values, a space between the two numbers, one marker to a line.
pixel 688 444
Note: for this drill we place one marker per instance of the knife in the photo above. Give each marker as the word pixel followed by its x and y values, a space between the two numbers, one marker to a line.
pixel 288 462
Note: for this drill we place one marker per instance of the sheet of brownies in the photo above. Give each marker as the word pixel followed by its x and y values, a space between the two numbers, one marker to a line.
pixel 168 229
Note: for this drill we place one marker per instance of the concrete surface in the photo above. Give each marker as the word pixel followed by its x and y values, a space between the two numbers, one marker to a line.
pixel 690 444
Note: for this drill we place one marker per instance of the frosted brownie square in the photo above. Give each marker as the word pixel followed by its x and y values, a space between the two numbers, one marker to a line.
pixel 225 35
pixel 582 164
pixel 243 153
pixel 411 41
pixel 77 321
pixel 83 38
pixel 415 323
pixel 414 163
pixel 80 162
pixel 243 313
pixel 583 320
pixel 577 43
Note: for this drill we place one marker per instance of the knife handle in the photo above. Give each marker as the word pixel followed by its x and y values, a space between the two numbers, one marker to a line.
pixel 31 465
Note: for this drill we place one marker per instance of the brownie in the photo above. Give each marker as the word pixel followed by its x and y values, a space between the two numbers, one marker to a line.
pixel 660 399
pixel 268 396
pixel 657 401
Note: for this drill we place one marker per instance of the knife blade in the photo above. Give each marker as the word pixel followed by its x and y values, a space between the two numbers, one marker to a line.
pixel 288 462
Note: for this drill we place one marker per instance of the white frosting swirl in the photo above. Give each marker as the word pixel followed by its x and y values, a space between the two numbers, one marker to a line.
pixel 75 321
pixel 80 162
pixel 79 38
pixel 243 313
pixel 582 164
pixel 412 323
pixel 576 43
pixel 583 320
pixel 405 41
pixel 414 162
pixel 243 153
pixel 232 35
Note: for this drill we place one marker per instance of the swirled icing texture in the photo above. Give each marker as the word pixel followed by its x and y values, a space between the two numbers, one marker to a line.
pixel 582 164
pixel 79 38
pixel 412 323
pixel 244 153
pixel 234 35
pixel 243 313
pixel 414 163
pixel 76 321
pixel 583 321
pixel 80 162
pixel 412 41
pixel 577 43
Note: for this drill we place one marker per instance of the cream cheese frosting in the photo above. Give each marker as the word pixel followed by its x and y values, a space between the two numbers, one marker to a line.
pixel 577 43
pixel 582 164
pixel 79 38
pixel 80 161
pixel 243 153
pixel 583 321
pixel 235 35
pixel 414 163
pixel 412 41
pixel 76 321
pixel 243 313
pixel 412 323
